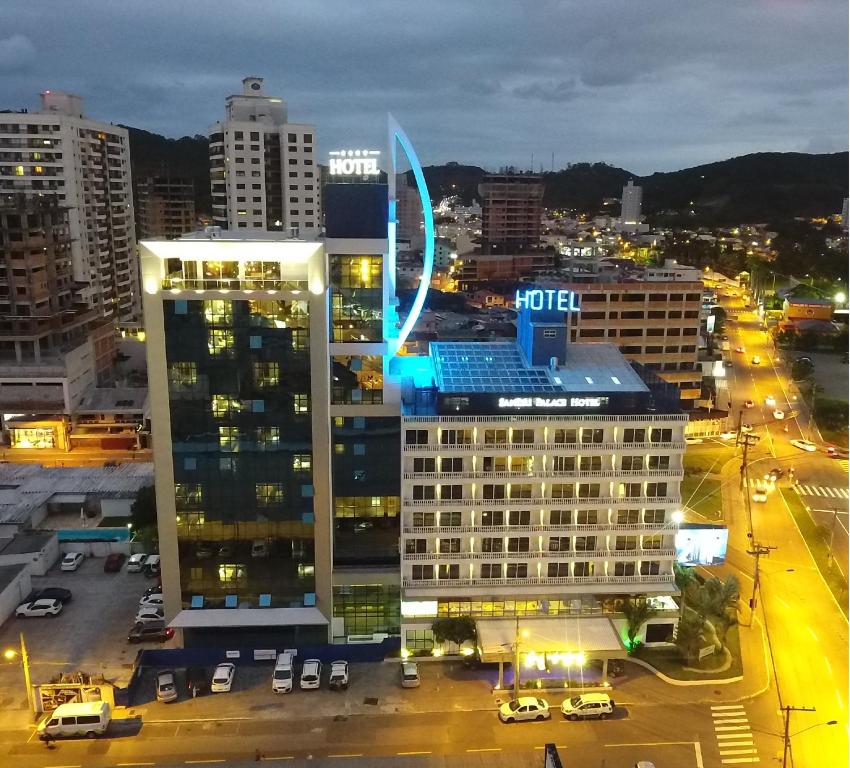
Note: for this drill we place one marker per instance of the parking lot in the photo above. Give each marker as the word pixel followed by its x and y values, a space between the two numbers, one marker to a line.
pixel 90 635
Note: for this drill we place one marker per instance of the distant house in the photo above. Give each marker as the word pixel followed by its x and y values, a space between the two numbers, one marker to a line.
pixel 796 309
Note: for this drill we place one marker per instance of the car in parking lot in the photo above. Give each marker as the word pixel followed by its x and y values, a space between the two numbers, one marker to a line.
pixel 154 590
pixel 804 445
pixel 150 613
pixel 39 608
pixel 166 687
pixel 53 593
pixel 778 415
pixel 113 562
pixel 71 561
pixel 311 675
pixel 152 566
pixel 155 632
pixel 222 678
pixel 154 599
pixel 339 676
pixel 136 562
pixel 588 705
pixel 760 495
pixel 409 674
pixel 524 708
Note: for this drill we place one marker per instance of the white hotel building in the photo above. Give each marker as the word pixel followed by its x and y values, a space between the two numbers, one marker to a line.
pixel 540 484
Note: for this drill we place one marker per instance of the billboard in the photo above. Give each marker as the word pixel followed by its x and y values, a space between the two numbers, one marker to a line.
pixel 701 544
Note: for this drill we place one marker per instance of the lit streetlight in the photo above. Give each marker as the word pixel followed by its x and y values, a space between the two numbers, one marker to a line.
pixel 840 297
pixel 11 654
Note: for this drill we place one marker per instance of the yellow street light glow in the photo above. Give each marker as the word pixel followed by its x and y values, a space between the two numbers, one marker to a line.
pixel 677 516
pixel 437 652
pixel 840 297
pixel 405 654
pixel 580 658
pixel 9 653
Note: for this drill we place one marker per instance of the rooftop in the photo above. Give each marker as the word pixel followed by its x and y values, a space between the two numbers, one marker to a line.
pixel 24 543
pixel 121 399
pixel 8 574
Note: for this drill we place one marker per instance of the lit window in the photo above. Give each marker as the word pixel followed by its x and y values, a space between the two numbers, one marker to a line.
pixel 268 437
pixel 269 494
pixel 218 312
pixel 228 439
pixel 19 170
pixel 182 374
pixel 223 406
pixel 220 342
pixel 266 374
pixel 302 462
pixel 301 403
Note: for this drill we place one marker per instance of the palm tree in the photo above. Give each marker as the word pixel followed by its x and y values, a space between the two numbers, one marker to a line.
pixel 637 613
pixel 685 580
pixel 689 636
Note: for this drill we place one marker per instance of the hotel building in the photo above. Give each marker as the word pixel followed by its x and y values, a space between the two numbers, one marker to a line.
pixel 540 481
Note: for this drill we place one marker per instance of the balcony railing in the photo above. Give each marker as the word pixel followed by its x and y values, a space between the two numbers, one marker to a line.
pixel 484 530
pixel 540 502
pixel 575 554
pixel 535 473
pixel 548 447
pixel 661 578
pixel 639 418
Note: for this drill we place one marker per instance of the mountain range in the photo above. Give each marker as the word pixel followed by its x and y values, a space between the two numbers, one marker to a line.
pixel 762 187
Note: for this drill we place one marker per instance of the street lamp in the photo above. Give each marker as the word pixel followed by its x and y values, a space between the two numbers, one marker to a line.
pixel 840 297
pixel 787 737
pixel 10 654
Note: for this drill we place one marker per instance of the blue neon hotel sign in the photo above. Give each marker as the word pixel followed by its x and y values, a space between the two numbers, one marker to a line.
pixel 537 299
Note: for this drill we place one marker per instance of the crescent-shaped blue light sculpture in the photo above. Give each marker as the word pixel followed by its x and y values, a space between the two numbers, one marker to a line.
pixel 397 135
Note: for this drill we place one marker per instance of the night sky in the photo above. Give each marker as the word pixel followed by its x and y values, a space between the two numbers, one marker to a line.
pixel 646 85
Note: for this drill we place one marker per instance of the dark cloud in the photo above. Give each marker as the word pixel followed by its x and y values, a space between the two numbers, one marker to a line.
pixel 646 86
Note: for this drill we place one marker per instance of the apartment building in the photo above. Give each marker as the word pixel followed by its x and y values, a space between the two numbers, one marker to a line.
pixel 264 170
pixel 511 211
pixel 165 206
pixel 476 268
pixel 85 164
pixel 540 481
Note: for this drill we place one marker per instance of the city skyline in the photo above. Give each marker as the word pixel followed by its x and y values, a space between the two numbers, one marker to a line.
pixel 696 87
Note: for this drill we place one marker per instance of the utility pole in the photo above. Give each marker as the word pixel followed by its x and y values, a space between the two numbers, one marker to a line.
pixel 25 661
pixel 787 739
pixel 757 551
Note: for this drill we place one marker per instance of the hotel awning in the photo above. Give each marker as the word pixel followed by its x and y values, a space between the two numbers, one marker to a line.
pixel 249 617
pixel 596 637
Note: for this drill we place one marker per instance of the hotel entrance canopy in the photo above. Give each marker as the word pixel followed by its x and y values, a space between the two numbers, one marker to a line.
pixel 595 637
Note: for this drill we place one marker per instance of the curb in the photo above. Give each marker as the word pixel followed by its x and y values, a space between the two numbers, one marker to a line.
pixel 684 683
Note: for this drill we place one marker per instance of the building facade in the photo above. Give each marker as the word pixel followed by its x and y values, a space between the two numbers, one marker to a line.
pixel 511 212
pixel 630 206
pixel 540 480
pixel 85 164
pixel 264 171
pixel 165 207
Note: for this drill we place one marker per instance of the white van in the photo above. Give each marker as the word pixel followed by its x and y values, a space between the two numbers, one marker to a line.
pixel 89 719
pixel 282 675
pixel 136 563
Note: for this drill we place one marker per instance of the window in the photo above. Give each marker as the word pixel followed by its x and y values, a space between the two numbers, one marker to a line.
pixel 588 490
pixel 424 492
pixel 266 374
pixel 491 571
pixel 565 436
pixel 650 568
pixel 493 491
pixel 494 544
pixel 629 490
pixel 585 543
pixel 631 463
pixel 491 518
pixel 422 572
pixel 495 436
pixel 218 312
pixel 656 490
pixel 557 570
pixel 652 542
pixel 624 569
pixel 564 463
pixel 301 403
pixel 563 490
pixel 415 546
pixel 628 516
pixel 519 517
pixel 220 342
pixel 302 462
pixel 423 519
pixel 517 570
pixel 269 494
pixel 449 571
pixel 448 545
pixel 591 435
pixel 456 437
pixel 416 437
pixel 661 435
pixel 451 491
pixel 559 543
pixel 521 490
pixel 654 516
pixel 583 569
pixel 182 375
pixel 586 516
pixel 634 435
pixel 449 519
pixel 659 462
pixel 424 465
pixel 522 436
pixel 519 544
pixel 224 407
pixel 561 517
pixel 454 464
pixel 590 464
pixel 625 543
pixel 268 437
pixel 228 438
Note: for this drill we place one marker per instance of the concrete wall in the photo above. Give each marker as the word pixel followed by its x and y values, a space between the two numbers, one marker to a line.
pixel 95 548
pixel 14 594
pixel 39 562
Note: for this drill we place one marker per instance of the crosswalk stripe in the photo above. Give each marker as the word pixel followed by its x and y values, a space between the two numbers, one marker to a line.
pixel 734 736
pixel 726 706
pixel 806 490
pixel 829 492
pixel 732 728
pixel 725 744
pixel 737 751
pixel 738 760
pixel 726 721
pixel 817 491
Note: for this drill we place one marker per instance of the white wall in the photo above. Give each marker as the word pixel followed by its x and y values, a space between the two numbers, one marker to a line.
pixel 14 594
pixel 95 548
pixel 39 562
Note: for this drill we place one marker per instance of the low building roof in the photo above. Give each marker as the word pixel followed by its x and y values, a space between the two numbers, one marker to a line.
pixel 24 543
pixel 113 399
pixel 9 573
pixel 206 618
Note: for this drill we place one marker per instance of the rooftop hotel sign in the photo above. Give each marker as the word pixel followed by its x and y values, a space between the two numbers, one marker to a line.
pixel 537 299
pixel 354 162
pixel 552 402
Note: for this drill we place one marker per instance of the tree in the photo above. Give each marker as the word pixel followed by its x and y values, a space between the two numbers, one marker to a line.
pixel 637 613
pixel 689 636
pixel 685 579
pixel 457 630
pixel 143 509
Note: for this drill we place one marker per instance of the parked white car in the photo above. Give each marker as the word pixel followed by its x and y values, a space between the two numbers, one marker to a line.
pixel 72 561
pixel 149 613
pixel 155 599
pixel 524 708
pixel 311 675
pixel 136 563
pixel 339 676
pixel 588 705
pixel 222 678
pixel 39 608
